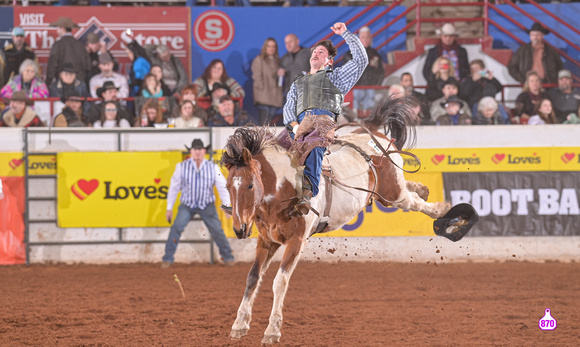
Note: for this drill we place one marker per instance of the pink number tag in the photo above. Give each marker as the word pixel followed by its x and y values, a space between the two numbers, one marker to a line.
pixel 547 322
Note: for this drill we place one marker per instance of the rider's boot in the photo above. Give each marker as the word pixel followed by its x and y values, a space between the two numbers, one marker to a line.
pixel 303 205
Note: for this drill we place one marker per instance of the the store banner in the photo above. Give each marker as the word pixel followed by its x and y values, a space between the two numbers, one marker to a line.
pixel 150 25
pixel 519 203
pixel 114 189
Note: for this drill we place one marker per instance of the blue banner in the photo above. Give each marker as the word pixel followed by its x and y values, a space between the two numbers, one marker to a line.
pixel 236 35
pixel 6 25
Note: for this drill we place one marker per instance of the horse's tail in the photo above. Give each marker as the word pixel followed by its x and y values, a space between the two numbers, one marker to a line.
pixel 398 118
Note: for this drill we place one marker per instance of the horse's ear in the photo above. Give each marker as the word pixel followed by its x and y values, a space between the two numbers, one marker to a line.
pixel 247 156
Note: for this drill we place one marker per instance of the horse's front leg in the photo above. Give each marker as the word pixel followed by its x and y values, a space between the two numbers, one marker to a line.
pixel 265 250
pixel 291 256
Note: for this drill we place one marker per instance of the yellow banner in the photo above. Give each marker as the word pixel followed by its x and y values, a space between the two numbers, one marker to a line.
pixel 42 165
pixel 126 189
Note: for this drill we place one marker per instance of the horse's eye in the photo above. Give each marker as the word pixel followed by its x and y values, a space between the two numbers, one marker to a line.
pixel 250 186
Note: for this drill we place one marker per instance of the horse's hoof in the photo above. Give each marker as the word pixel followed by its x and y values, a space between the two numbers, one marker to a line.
pixel 238 334
pixel 270 339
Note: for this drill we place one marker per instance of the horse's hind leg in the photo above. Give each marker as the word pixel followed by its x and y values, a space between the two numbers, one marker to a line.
pixel 264 252
pixel 410 200
pixel 291 256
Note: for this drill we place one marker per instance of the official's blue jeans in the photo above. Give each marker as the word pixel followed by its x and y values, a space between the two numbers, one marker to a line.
pixel 210 218
pixel 363 99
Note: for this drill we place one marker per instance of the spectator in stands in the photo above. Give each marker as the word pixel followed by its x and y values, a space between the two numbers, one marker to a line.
pixel 151 114
pixel 188 93
pixel 158 73
pixel 67 49
pixel 140 65
pixel 407 83
pixel 151 88
pixel 187 117
pixel 526 102
pixel 107 74
pixel 94 49
pixel 15 54
pixel 572 118
pixel 536 56
pixel 217 92
pixel 450 88
pixel 447 47
pixel 19 114
pixel 395 91
pixel 67 83
pixel 543 113
pixel 454 112
pixel 228 114
pixel 108 92
pixel 110 117
pixel 72 113
pixel 267 90
pixel 174 73
pixel 216 72
pixel 27 81
pixel 565 99
pixel 294 62
pixel 481 83
pixel 488 112
pixel 442 71
pixel 364 99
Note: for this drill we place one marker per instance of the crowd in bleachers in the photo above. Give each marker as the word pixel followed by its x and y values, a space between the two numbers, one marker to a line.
pixel 159 93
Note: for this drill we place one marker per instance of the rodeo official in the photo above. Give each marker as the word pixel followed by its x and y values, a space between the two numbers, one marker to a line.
pixel 314 103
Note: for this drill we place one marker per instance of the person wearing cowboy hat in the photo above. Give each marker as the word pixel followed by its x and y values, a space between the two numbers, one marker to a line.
pixel 72 113
pixel 450 88
pixel 67 49
pixel 108 92
pixel 449 48
pixel 196 177
pixel 454 112
pixel 536 56
pixel 106 65
pixel 67 83
pixel 19 114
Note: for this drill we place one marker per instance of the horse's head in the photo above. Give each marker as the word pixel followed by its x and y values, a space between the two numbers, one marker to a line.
pixel 246 191
pixel 245 175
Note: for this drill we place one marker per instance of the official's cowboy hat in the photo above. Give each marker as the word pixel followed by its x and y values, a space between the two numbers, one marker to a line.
pixel 539 27
pixel 106 86
pixel 450 99
pixel 197 144
pixel 20 96
pixel 65 22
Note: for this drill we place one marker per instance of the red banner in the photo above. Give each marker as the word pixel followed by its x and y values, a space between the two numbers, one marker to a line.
pixel 12 250
pixel 151 25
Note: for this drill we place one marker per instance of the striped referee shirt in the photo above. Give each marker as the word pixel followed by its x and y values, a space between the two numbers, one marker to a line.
pixel 196 184
pixel 344 77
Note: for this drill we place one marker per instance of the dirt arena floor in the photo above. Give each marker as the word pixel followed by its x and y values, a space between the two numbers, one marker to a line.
pixel 341 304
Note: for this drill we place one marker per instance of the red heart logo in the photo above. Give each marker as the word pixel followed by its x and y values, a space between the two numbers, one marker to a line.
pixel 14 163
pixel 53 159
pixel 497 158
pixel 157 180
pixel 436 159
pixel 82 188
pixel 566 157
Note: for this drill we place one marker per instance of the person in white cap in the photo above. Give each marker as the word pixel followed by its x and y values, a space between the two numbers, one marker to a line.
pixel 17 52
pixel 450 49
pixel 565 99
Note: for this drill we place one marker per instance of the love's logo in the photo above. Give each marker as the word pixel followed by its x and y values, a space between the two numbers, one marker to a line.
pixel 14 163
pixel 82 188
pixel 498 158
pixel 436 159
pixel 567 157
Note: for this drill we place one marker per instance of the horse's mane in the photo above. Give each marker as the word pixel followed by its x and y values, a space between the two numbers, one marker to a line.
pixel 255 139
pixel 397 118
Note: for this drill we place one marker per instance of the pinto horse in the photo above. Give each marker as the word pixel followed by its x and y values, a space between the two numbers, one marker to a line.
pixel 264 180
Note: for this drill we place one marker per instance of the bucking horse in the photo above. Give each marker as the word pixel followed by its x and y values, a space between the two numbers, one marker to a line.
pixel 265 181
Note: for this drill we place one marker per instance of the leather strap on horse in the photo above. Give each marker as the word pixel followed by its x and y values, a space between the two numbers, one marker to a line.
pixel 386 152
